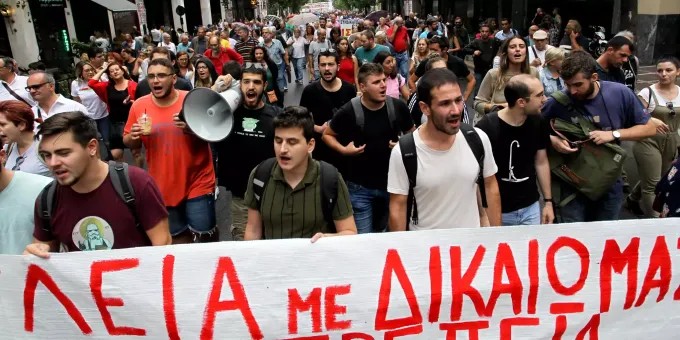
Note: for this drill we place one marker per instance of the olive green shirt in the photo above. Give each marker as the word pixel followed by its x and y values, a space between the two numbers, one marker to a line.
pixel 296 212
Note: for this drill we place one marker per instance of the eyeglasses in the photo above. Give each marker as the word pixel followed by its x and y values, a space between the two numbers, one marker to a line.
pixel 35 87
pixel 254 65
pixel 160 76
pixel 669 105
pixel 19 162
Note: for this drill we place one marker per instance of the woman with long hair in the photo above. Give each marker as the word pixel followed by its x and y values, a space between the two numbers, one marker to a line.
pixel 348 64
pixel 16 130
pixel 513 61
pixel 334 36
pixel 550 75
pixel 420 54
pixel 299 55
pixel 205 75
pixel 655 154
pixel 118 93
pixel 184 66
pixel 396 84
pixel 83 93
pixel 260 57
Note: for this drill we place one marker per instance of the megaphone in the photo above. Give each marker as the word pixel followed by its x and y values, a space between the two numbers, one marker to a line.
pixel 210 115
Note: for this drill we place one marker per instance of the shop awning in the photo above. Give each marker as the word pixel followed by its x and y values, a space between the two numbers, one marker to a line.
pixel 117 5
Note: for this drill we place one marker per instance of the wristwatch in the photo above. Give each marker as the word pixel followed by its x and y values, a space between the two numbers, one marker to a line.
pixel 616 134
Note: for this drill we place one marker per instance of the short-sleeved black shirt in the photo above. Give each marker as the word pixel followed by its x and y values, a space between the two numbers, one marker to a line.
pixel 369 169
pixel 514 149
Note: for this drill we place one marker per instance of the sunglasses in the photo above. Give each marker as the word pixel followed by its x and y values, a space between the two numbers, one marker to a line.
pixel 254 65
pixel 35 87
pixel 669 105
pixel 19 162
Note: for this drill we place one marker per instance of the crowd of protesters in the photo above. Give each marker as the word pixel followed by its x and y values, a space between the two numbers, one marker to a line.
pixel 382 138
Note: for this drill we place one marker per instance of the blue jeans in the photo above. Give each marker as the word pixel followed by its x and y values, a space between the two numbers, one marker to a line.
pixel 582 209
pixel 104 127
pixel 530 215
pixel 281 78
pixel 402 63
pixel 371 208
pixel 317 75
pixel 299 64
pixel 478 78
pixel 196 214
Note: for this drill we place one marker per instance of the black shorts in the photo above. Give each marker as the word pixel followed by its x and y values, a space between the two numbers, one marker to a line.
pixel 116 136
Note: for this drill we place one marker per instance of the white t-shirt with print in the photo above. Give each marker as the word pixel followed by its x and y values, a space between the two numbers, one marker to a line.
pixel 644 94
pixel 446 189
pixel 95 106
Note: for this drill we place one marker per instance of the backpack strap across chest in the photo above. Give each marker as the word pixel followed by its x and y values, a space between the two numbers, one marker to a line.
pixel 120 179
pixel 329 178
pixel 360 118
pixel 409 157
pixel 475 143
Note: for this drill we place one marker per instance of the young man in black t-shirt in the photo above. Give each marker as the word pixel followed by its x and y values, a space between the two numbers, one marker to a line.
pixel 249 143
pixel 439 47
pixel 519 139
pixel 368 146
pixel 323 98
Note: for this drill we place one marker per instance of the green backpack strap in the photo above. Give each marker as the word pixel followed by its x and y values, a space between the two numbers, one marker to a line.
pixel 556 186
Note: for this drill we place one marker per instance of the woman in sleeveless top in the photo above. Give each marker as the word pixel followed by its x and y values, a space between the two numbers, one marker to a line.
pixel 348 65
pixel 655 154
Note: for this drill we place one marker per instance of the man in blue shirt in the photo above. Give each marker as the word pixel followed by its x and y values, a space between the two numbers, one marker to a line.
pixel 614 109
pixel 366 53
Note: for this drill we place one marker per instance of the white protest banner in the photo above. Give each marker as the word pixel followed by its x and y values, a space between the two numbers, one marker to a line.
pixel 610 280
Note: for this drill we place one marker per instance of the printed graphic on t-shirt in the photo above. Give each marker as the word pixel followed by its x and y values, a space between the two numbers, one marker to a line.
pixel 250 124
pixel 92 233
pixel 511 174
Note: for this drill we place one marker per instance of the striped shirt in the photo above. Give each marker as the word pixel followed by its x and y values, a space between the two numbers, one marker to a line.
pixel 296 213
pixel 245 49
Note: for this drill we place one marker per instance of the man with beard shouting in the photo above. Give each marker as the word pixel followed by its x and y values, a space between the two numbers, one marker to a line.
pixel 616 113
pixel 323 98
pixel 249 144
pixel 446 190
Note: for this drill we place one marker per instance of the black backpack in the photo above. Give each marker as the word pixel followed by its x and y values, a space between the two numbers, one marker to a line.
pixel 409 156
pixel 359 112
pixel 329 187
pixel 120 178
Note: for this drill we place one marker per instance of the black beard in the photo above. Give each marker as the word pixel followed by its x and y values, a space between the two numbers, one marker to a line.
pixel 257 103
pixel 330 81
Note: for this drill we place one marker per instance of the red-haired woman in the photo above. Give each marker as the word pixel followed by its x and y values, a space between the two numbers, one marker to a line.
pixel 118 93
pixel 16 130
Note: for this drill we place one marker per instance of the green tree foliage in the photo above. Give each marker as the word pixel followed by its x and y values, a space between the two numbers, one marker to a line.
pixel 353 4
pixel 294 5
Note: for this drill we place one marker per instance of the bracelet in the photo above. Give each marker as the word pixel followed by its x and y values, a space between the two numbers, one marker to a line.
pixel 546 200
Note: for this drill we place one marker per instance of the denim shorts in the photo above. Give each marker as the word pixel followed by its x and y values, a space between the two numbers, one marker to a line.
pixel 196 214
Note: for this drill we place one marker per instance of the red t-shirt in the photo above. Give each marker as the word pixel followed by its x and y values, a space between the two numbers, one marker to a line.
pixel 179 162
pixel 400 40
pixel 100 219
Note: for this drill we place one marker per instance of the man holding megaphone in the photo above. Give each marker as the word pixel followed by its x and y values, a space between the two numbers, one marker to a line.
pixel 179 161
pixel 249 143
